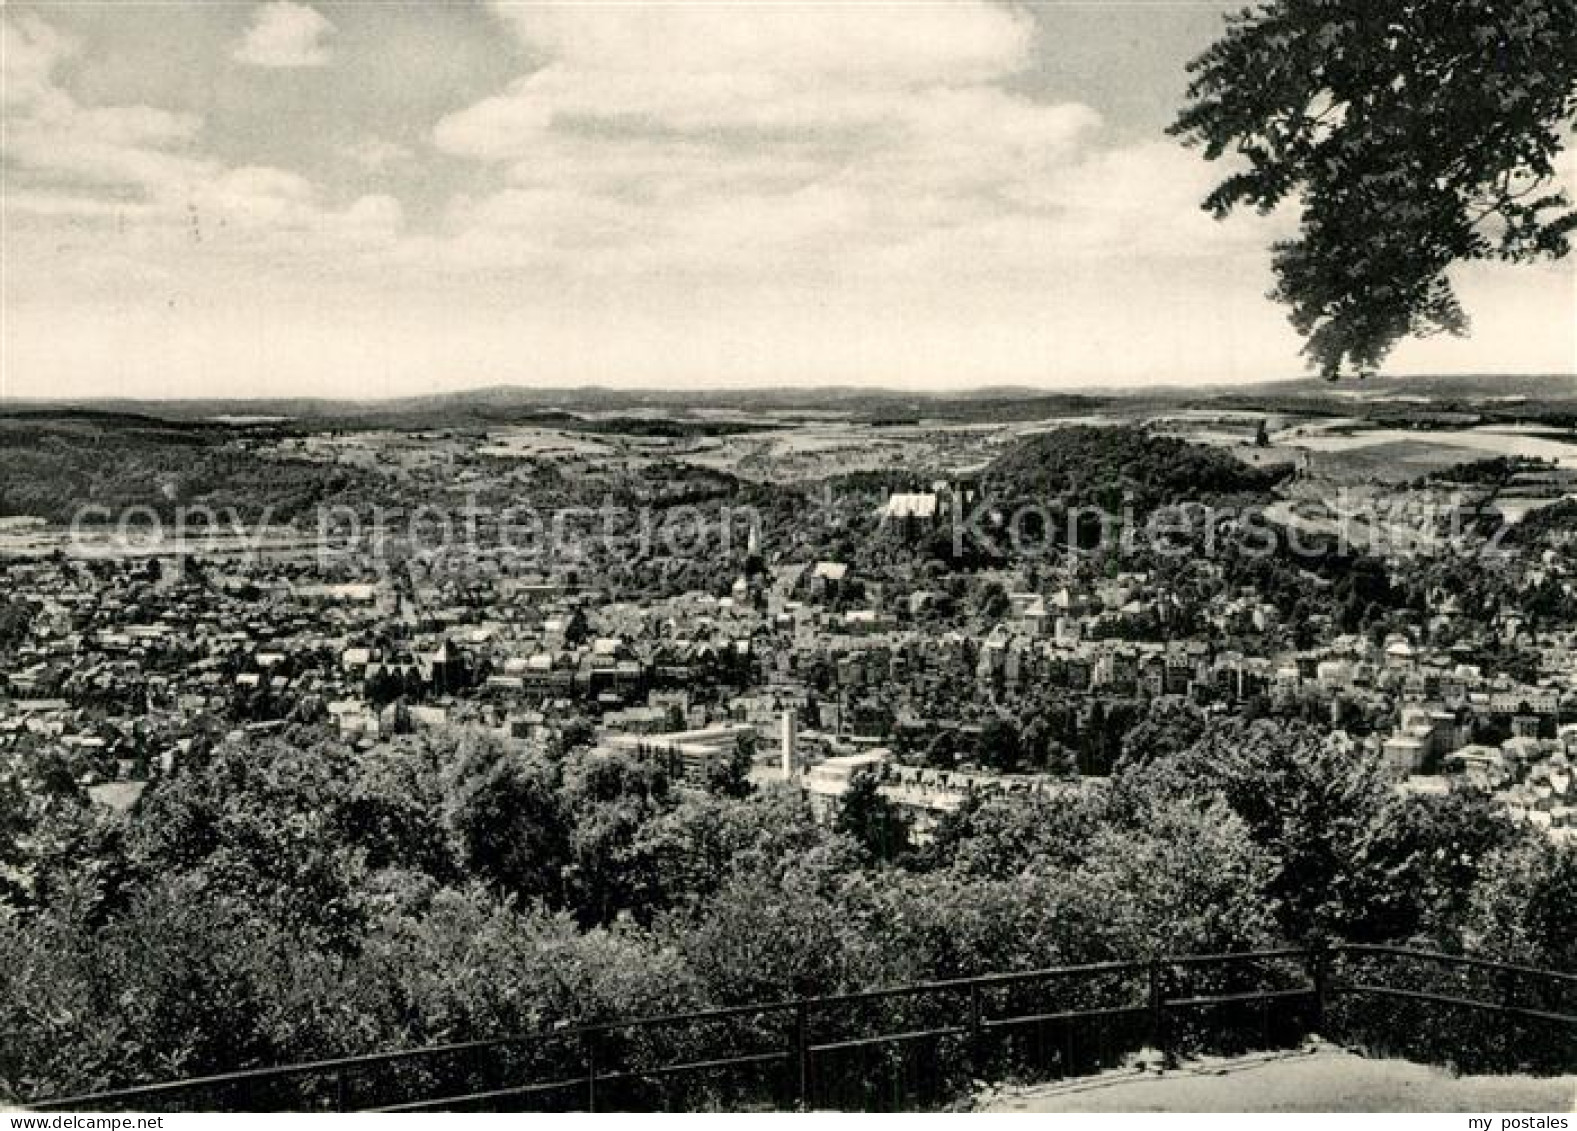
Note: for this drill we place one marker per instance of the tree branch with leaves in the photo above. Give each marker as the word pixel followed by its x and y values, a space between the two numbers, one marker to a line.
pixel 1413 134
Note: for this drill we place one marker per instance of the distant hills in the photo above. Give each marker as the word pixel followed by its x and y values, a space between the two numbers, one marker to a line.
pixel 572 407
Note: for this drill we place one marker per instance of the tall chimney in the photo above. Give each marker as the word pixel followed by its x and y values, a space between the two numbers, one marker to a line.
pixel 788 745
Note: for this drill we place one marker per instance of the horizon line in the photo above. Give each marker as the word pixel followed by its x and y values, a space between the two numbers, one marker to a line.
pixel 1345 383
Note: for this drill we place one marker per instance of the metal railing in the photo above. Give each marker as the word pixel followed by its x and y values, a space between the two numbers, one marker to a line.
pixel 797 1053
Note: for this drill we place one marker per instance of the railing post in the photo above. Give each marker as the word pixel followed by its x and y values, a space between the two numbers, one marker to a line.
pixel 1508 988
pixel 339 1091
pixel 590 1039
pixel 977 1028
pixel 1319 959
pixel 802 1051
pixel 1157 1009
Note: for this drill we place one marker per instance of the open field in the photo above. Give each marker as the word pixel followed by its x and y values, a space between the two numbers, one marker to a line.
pixel 1472 443
pixel 1387 461
pixel 542 443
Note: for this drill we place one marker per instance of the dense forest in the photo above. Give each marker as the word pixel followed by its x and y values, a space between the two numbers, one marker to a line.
pixel 289 898
pixel 53 465
pixel 1090 465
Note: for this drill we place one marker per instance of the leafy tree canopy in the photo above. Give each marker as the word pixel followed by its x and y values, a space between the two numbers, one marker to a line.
pixel 1415 134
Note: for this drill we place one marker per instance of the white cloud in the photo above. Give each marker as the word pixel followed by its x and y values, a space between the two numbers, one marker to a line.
pixel 881 144
pixel 254 200
pixel 33 50
pixel 377 155
pixel 966 40
pixel 142 171
pixel 48 135
pixel 285 34
pixel 667 193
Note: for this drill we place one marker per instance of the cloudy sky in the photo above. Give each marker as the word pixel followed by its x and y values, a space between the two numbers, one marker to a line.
pixel 370 198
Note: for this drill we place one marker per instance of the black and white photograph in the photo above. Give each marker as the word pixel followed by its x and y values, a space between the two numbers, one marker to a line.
pixel 788 556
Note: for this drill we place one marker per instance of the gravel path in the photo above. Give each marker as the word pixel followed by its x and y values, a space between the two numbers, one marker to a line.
pixel 1326 1079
